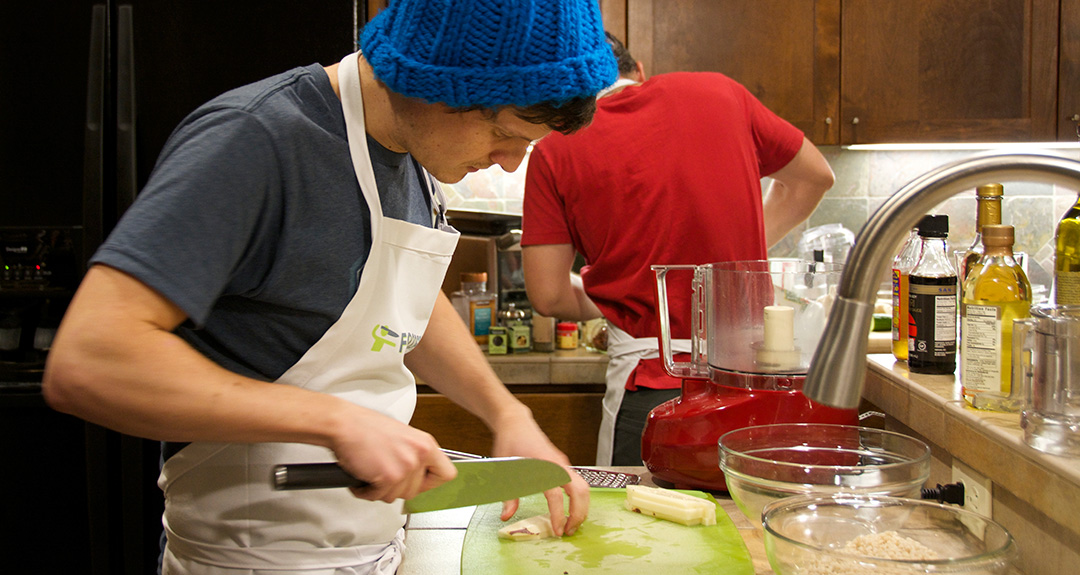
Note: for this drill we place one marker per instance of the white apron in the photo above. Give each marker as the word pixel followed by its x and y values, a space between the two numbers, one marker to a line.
pixel 624 353
pixel 222 517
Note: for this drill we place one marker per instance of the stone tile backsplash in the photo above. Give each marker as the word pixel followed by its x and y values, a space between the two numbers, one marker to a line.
pixel 864 180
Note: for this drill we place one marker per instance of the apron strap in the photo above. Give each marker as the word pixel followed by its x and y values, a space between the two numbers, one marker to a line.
pixel 624 353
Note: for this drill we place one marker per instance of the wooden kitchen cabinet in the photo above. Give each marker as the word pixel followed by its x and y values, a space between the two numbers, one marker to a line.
pixel 1068 118
pixel 948 70
pixel 568 414
pixel 786 52
pixel 876 71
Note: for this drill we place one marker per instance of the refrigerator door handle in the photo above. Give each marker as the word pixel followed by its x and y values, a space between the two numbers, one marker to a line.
pixel 94 135
pixel 126 186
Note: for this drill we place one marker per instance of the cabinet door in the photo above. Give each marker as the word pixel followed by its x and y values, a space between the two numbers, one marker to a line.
pixel 1068 120
pixel 948 70
pixel 786 52
pixel 571 420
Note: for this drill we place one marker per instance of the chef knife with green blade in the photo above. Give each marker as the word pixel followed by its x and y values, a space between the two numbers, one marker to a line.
pixel 478 481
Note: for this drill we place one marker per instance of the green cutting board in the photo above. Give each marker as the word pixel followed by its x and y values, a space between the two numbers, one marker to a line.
pixel 612 540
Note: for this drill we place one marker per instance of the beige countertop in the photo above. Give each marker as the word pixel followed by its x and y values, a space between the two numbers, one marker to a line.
pixel 583 366
pixel 1036 496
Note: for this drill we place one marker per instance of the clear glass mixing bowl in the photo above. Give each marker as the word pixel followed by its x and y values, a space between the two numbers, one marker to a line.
pixel 768 462
pixel 812 535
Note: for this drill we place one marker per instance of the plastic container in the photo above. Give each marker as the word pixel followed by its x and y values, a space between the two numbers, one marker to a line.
pixel 834 241
pixel 543 333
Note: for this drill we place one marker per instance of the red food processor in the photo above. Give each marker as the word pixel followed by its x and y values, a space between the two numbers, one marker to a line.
pixel 755 326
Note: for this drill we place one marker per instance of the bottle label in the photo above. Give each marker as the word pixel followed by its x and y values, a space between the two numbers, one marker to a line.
pixel 980 350
pixel 932 331
pixel 480 319
pixel 896 305
pixel 1067 288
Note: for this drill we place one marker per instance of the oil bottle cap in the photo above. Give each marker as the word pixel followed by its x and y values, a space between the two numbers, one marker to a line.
pixel 990 191
pixel 998 235
pixel 934 226
pixel 474 277
pixel 923 221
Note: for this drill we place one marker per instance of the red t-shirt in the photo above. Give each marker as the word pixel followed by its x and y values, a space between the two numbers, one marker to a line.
pixel 667 173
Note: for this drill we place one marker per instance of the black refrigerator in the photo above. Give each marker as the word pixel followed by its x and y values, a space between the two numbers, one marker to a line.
pixel 89 92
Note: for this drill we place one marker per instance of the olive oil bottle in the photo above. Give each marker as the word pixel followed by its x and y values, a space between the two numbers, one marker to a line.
pixel 995 293
pixel 988 199
pixel 932 302
pixel 1067 258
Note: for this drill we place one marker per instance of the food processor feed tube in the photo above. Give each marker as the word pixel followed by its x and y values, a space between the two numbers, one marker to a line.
pixel 754 325
pixel 777 351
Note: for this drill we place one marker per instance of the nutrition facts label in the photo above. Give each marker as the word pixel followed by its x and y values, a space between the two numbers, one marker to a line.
pixel 980 354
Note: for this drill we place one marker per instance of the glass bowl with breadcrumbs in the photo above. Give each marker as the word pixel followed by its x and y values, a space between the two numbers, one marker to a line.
pixel 864 534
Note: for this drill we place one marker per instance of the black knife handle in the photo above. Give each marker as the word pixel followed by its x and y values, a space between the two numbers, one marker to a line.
pixel 313 476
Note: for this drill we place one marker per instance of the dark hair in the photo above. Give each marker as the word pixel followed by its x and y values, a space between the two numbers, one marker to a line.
pixel 627 63
pixel 568 118
pixel 571 116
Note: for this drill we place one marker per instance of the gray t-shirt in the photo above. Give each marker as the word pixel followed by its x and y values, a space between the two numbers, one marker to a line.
pixel 254 224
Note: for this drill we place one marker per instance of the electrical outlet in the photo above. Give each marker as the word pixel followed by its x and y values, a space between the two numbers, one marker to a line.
pixel 977 489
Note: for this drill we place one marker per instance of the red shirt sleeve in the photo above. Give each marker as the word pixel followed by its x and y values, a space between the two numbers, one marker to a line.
pixel 543 218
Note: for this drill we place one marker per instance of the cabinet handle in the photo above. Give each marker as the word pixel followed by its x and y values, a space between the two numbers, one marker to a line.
pixel 1075 117
pixel 855 120
pixel 828 121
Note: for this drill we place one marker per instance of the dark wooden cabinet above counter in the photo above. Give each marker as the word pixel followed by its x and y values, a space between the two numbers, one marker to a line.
pixel 878 71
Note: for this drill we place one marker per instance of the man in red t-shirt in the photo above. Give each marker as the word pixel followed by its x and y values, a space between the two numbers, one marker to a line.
pixel 669 172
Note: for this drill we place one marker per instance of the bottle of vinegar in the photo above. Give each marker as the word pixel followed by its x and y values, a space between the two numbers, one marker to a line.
pixel 1067 258
pixel 902 264
pixel 932 302
pixel 995 293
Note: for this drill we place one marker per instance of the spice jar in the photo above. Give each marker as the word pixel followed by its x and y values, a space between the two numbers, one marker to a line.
pixel 566 335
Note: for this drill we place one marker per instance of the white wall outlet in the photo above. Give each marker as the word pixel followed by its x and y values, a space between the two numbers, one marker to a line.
pixel 977 488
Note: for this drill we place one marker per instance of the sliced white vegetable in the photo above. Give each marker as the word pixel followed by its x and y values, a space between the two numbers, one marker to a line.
pixel 670 505
pixel 538 527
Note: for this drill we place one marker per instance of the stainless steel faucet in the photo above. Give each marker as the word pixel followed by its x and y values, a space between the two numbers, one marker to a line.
pixel 839 366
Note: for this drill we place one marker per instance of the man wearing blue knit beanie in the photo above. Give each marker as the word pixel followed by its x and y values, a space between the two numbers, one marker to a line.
pixel 276 285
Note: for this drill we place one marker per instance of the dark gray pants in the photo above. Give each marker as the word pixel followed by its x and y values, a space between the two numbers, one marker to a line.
pixel 630 423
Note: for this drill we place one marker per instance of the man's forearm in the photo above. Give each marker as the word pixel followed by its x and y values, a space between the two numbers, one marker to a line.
pixel 449 361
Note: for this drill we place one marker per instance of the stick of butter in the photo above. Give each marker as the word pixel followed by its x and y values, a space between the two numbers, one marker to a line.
pixel 670 505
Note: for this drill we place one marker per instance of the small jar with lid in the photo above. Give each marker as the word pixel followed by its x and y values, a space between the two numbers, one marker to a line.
pixel 566 335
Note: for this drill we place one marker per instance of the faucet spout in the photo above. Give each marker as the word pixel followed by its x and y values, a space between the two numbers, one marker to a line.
pixel 838 369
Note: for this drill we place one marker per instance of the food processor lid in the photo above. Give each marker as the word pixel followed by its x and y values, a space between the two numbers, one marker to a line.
pixel 1057 320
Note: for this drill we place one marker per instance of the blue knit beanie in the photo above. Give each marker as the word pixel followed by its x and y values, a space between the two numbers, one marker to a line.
pixel 490 53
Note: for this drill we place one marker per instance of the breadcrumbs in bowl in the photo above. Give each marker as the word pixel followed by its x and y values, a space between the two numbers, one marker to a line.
pixel 863 534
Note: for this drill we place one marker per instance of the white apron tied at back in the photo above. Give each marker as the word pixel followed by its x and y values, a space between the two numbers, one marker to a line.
pixel 222 516
pixel 624 353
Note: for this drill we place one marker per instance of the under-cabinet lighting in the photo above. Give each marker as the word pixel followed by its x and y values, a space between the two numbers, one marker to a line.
pixel 967 146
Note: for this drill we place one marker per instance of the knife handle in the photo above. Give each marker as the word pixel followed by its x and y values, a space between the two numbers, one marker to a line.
pixel 313 476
